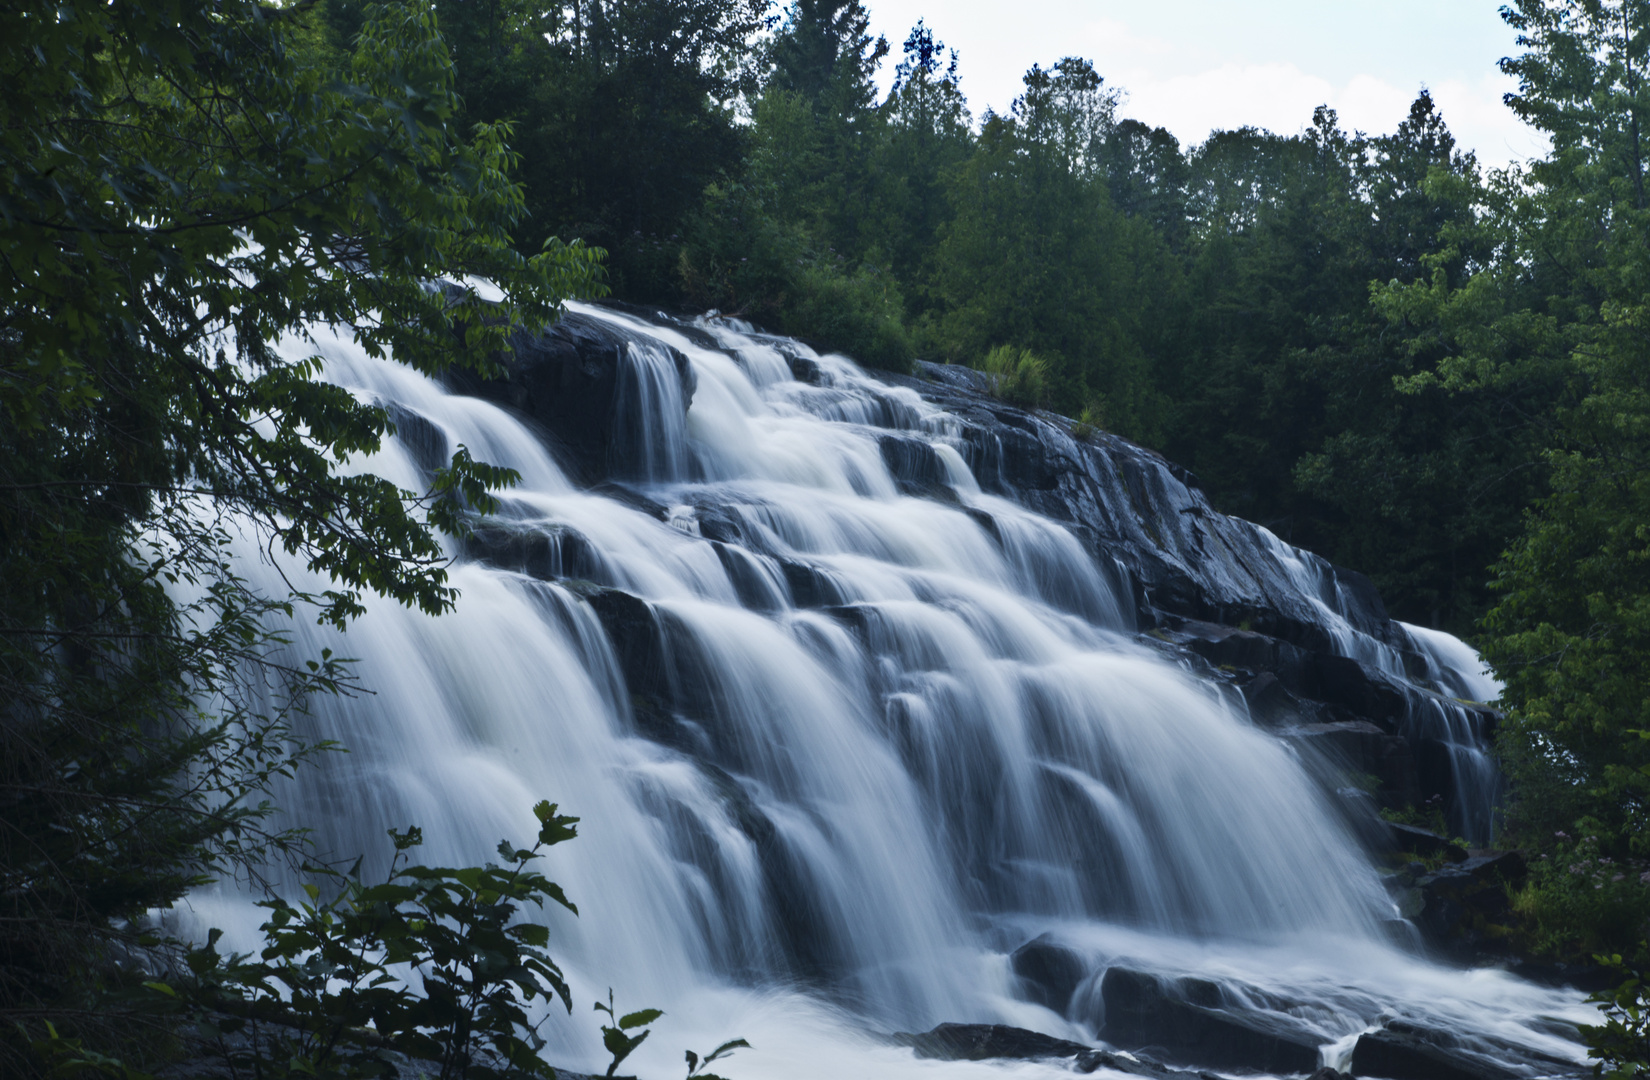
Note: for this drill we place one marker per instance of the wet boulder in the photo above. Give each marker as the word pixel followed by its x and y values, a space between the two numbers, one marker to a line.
pixel 914 464
pixel 1466 907
pixel 1129 1065
pixel 549 553
pixel 983 1042
pixel 1049 971
pixel 1190 1021
pixel 569 380
pixel 1402 1050
pixel 1270 702
pixel 1225 647
pixel 1343 681
pixel 1362 748
pixel 424 442
pixel 638 639
pixel 810 586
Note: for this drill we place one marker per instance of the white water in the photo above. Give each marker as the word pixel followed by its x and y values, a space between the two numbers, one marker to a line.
pixel 973 754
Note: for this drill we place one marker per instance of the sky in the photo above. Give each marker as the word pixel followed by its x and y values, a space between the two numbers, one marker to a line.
pixel 1196 65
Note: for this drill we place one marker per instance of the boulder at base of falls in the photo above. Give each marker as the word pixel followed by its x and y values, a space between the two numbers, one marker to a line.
pixel 1465 906
pixel 1050 971
pixel 981 1042
pixel 1189 1021
pixel 1406 1051
pixel 1129 1065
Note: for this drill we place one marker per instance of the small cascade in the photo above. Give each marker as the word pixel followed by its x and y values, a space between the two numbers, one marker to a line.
pixel 650 416
pixel 851 712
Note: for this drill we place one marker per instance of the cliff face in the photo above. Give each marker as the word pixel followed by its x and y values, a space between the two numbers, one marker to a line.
pixel 1308 645
pixel 1086 533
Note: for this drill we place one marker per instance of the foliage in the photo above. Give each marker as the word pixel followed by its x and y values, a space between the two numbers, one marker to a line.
pixel 616 1035
pixel 1578 899
pixel 324 999
pixel 695 1063
pixel 185 185
pixel 1557 317
pixel 621 112
pixel 1016 375
pixel 1621 1045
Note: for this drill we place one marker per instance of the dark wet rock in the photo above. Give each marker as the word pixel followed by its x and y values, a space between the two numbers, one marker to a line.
pixel 1341 680
pixel 632 498
pixel 1326 1073
pixel 1363 749
pixel 913 463
pixel 1050 970
pixel 810 586
pixel 982 1042
pixel 426 443
pixel 720 523
pixel 1190 1022
pixel 804 370
pixel 1587 978
pixel 1245 649
pixel 985 521
pixel 755 588
pixel 1403 1051
pixel 1415 841
pixel 547 553
pixel 638 639
pixel 1466 909
pixel 568 380
pixel 741 807
pixel 1270 703
pixel 1093 1060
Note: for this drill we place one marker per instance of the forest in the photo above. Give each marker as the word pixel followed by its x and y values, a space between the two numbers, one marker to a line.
pixel 1428 371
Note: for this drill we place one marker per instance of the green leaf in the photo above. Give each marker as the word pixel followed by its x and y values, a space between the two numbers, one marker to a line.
pixel 533 934
pixel 639 1017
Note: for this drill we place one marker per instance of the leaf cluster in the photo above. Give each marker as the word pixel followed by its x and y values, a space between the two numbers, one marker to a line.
pixel 331 993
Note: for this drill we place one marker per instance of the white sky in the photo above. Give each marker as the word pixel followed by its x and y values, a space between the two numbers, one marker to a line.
pixel 1195 65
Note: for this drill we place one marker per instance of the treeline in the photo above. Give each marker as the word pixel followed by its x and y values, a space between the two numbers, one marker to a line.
pixel 1210 301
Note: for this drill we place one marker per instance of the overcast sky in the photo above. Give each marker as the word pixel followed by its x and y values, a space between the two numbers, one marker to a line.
pixel 1195 65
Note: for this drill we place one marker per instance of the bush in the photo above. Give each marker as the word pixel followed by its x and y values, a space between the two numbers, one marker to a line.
pixel 859 313
pixel 1621 1045
pixel 1579 901
pixel 1016 375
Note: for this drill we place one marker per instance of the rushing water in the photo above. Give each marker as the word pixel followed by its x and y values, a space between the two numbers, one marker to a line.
pixel 868 805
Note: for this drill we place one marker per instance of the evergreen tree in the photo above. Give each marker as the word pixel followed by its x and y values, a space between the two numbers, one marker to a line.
pixel 1036 257
pixel 927 136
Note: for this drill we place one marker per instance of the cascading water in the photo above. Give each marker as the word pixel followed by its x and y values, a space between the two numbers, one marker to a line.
pixel 889 740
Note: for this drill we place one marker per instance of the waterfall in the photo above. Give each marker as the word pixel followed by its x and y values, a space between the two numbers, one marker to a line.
pixel 884 740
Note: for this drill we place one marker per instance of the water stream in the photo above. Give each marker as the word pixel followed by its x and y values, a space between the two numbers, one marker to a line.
pixel 864 804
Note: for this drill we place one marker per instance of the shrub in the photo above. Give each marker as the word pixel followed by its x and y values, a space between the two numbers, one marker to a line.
pixel 859 313
pixel 1579 901
pixel 1016 375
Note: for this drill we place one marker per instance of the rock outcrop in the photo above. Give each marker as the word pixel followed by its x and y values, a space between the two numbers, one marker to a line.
pixel 1307 645
pixel 1193 1022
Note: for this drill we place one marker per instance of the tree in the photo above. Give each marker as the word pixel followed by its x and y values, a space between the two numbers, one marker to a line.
pixel 821 89
pixel 183 185
pixel 622 111
pixel 1421 490
pixel 1036 257
pixel 1565 307
pixel 927 135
